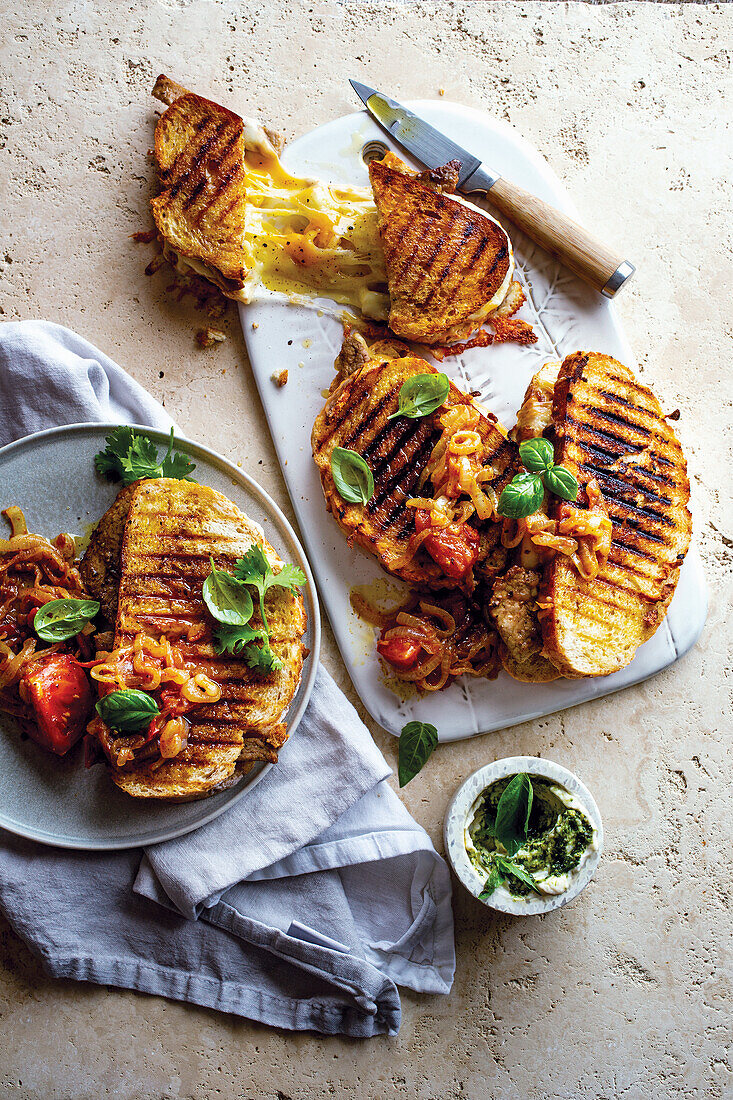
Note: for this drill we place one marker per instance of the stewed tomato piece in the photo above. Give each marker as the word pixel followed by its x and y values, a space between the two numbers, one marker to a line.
pixel 401 653
pixel 454 548
pixel 57 690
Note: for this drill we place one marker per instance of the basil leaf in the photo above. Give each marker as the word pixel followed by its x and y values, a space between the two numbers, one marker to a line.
pixel 59 620
pixel 352 476
pixel 128 710
pixel 227 598
pixel 493 881
pixel 562 483
pixel 509 867
pixel 537 454
pixel 417 742
pixel 421 395
pixel 512 813
pixel 522 496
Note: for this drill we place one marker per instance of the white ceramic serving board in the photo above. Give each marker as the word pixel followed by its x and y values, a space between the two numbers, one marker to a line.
pixel 567 317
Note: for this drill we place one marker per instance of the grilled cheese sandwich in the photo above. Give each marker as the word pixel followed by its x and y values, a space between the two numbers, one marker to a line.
pixel 436 477
pixel 292 236
pixel 149 558
pixel 591 579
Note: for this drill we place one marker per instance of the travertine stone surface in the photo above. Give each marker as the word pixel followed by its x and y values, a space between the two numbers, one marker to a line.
pixel 626 992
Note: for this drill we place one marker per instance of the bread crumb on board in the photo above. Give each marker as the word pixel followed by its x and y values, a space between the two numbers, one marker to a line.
pixel 280 378
pixel 209 337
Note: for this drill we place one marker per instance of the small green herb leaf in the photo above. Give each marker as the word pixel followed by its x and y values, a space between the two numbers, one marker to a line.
pixel 522 496
pixel 418 740
pixel 176 465
pixel 227 598
pixel 421 395
pixel 290 577
pixel 262 658
pixel 537 454
pixel 509 867
pixel 352 476
pixel 493 881
pixel 233 639
pixel 562 483
pixel 130 456
pixel 128 710
pixel 512 813
pixel 255 569
pixel 107 462
pixel 59 620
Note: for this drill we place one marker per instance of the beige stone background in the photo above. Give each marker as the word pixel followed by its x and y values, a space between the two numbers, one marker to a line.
pixel 626 992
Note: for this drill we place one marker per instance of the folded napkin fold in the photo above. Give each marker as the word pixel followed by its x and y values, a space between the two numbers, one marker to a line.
pixel 307 902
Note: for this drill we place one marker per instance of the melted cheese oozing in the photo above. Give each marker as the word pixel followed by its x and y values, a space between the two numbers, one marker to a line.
pixel 306 238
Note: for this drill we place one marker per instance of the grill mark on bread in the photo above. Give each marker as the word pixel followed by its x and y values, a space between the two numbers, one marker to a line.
pixel 195 155
pixel 414 464
pixel 613 489
pixel 594 626
pixel 438 277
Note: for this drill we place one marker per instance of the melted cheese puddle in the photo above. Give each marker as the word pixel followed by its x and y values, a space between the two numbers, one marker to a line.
pixel 305 237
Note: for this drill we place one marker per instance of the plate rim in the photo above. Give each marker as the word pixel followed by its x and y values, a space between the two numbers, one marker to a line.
pixel 307 680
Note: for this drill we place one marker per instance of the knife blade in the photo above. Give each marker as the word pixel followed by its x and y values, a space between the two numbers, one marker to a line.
pixel 599 266
pixel 422 140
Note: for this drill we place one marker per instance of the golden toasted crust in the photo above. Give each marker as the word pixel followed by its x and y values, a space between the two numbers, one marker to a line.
pixel 200 212
pixel 357 416
pixel 172 529
pixel 100 564
pixel 445 260
pixel 611 428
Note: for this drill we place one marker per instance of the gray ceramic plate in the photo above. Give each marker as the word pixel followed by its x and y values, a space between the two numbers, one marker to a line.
pixel 56 800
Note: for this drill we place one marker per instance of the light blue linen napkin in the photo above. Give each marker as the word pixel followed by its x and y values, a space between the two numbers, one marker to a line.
pixel 307 903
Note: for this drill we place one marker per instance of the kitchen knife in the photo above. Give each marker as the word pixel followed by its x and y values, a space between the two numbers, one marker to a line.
pixel 592 261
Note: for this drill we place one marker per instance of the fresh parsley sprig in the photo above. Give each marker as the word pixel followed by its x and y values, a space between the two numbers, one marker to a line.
pixel 228 599
pixel 130 456
pixel 523 495
pixel 255 569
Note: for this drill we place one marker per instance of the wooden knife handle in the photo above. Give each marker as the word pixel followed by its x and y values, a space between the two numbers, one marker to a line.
pixel 589 258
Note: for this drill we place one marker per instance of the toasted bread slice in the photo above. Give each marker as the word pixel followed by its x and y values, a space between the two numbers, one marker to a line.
pixel 172 529
pixel 448 264
pixel 611 428
pixel 201 210
pixel 397 450
pixel 100 566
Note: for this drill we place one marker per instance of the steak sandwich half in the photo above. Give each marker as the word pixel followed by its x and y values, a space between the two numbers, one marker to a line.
pixel 592 579
pixel 146 563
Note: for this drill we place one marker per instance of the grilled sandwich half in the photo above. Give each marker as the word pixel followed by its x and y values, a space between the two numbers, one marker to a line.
pixel 554 617
pixel 610 428
pixel 448 264
pixel 397 450
pixel 162 556
pixel 201 212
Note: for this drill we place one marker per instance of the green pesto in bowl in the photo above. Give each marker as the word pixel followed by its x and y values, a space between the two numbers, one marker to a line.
pixel 560 838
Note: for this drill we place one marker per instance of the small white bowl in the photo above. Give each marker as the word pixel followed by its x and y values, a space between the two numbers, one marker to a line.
pixel 463 806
